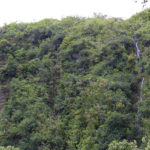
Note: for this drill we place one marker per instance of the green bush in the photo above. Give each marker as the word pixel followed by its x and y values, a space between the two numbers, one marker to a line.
pixel 8 148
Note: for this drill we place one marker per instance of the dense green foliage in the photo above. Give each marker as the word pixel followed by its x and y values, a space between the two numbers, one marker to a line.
pixel 8 148
pixel 125 145
pixel 74 84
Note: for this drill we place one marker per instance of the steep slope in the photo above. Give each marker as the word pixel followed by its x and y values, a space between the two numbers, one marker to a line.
pixel 2 94
pixel 2 97
pixel 75 84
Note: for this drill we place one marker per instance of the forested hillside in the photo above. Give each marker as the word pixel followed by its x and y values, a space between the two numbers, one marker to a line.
pixel 75 84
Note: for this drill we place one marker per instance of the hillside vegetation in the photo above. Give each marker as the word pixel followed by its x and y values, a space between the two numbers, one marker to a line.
pixel 74 84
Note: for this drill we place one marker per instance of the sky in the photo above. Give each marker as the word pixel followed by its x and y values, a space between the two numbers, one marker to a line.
pixel 35 10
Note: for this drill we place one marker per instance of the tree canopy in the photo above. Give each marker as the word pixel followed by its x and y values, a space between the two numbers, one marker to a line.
pixel 75 84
